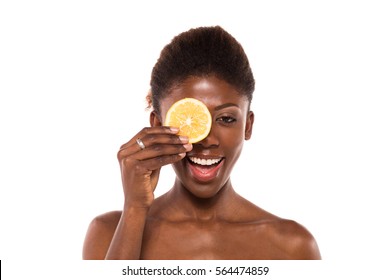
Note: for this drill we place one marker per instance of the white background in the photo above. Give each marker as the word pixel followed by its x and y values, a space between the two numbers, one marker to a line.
pixel 73 80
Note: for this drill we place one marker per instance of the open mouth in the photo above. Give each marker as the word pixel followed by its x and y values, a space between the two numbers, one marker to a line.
pixel 204 169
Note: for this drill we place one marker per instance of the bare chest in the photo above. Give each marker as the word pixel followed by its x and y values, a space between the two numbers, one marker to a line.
pixel 205 241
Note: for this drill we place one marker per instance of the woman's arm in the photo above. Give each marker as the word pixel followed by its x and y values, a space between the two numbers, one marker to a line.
pixel 115 235
pixel 127 240
pixel 119 236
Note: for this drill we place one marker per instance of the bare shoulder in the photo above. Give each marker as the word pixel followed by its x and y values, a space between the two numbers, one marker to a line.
pixel 285 239
pixel 99 235
pixel 294 240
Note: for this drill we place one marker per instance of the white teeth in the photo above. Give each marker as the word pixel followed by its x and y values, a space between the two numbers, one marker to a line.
pixel 202 161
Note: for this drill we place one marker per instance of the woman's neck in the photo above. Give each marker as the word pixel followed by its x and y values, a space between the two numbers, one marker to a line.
pixel 187 206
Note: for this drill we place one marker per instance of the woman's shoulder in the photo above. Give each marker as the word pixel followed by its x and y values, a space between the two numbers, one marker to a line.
pixel 99 234
pixel 287 239
pixel 291 238
pixel 108 218
pixel 297 242
pixel 105 222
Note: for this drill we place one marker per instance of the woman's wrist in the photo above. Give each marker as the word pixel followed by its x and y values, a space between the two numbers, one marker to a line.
pixel 135 209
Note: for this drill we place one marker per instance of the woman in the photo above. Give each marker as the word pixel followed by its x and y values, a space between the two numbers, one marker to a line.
pixel 201 217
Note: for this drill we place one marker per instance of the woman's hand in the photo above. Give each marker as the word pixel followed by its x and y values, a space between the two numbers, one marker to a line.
pixel 140 167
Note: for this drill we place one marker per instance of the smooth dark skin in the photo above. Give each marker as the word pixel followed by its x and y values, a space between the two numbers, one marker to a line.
pixel 193 220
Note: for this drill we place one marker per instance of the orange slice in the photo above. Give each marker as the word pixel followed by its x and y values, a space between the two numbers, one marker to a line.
pixel 192 117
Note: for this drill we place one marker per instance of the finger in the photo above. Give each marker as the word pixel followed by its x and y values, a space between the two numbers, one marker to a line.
pixel 150 131
pixel 158 162
pixel 153 139
pixel 157 151
pixel 153 142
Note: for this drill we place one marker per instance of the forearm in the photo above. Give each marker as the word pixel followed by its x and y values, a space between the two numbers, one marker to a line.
pixel 127 240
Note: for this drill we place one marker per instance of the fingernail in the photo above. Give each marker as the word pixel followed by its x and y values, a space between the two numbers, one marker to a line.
pixel 174 129
pixel 188 147
pixel 182 155
pixel 183 139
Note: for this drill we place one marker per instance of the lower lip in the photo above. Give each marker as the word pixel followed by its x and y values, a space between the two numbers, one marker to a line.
pixel 204 173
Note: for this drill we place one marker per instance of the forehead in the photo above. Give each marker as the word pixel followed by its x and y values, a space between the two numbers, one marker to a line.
pixel 210 90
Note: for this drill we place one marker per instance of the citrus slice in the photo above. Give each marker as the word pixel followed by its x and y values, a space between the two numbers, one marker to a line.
pixel 192 117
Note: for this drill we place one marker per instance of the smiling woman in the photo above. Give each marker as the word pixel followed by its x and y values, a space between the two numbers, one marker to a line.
pixel 201 217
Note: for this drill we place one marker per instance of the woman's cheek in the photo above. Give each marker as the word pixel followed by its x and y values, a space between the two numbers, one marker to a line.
pixel 233 136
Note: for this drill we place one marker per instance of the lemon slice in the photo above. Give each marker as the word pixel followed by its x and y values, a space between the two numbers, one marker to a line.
pixel 192 117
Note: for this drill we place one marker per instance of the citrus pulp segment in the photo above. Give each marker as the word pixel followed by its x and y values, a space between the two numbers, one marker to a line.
pixel 192 117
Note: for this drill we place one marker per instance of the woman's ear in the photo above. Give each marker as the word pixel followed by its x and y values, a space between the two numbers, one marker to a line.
pixel 154 119
pixel 249 125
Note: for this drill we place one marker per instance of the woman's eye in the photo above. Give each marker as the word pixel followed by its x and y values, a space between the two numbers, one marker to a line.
pixel 226 120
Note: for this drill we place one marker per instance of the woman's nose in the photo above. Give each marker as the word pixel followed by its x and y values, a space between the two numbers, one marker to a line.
pixel 212 140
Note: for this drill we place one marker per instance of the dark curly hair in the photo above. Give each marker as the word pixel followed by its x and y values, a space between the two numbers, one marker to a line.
pixel 200 52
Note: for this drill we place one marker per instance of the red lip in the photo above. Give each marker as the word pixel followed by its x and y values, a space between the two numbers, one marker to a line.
pixel 204 173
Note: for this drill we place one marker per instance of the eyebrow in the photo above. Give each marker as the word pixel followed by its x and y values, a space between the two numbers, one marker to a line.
pixel 220 107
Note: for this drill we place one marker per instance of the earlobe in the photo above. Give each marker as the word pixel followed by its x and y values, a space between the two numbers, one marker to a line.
pixel 249 125
pixel 154 119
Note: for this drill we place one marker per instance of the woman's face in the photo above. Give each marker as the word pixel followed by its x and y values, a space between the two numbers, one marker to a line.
pixel 206 169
